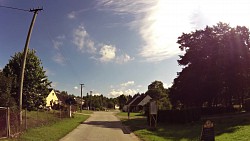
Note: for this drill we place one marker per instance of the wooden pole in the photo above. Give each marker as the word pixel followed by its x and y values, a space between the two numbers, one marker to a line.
pixel 24 62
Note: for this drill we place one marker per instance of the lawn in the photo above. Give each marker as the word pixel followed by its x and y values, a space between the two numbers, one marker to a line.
pixel 229 129
pixel 53 132
pixel 49 125
pixel 131 115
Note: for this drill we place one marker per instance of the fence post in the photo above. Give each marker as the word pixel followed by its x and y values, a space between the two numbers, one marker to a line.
pixel 8 122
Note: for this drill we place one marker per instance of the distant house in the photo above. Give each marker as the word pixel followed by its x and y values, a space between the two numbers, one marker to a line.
pixel 125 107
pixel 136 103
pixel 51 99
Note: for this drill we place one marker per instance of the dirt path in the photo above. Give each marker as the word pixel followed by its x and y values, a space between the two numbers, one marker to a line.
pixel 101 126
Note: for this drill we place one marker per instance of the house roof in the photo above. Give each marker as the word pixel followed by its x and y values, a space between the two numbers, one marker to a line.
pixel 138 100
pixel 132 100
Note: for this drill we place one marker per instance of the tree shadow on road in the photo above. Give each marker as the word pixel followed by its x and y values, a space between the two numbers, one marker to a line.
pixel 109 124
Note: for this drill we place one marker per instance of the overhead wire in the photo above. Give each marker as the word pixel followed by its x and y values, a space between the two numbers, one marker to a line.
pixel 60 50
pixel 14 8
pixel 77 76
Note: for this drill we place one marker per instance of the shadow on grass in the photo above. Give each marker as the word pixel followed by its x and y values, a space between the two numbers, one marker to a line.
pixel 231 124
pixel 189 131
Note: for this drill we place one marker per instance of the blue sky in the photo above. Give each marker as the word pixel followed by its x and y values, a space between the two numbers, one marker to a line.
pixel 112 46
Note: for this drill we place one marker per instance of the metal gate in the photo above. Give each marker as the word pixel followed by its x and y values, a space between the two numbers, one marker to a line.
pixel 4 122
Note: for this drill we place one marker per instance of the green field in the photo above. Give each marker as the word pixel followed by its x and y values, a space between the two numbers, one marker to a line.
pixel 226 129
pixel 54 131
pixel 49 125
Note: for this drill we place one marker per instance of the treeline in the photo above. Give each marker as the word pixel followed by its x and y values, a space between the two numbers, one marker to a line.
pixel 99 102
pixel 216 68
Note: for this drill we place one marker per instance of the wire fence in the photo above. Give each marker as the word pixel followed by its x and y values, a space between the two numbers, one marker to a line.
pixel 4 122
pixel 9 120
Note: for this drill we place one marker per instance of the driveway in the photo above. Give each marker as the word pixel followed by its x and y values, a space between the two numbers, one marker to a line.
pixel 101 126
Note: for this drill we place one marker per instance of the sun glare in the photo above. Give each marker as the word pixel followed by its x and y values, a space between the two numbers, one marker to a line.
pixel 168 19
pixel 234 12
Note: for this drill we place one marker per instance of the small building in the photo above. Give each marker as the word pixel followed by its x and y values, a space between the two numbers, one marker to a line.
pixel 51 99
pixel 139 103
pixel 127 105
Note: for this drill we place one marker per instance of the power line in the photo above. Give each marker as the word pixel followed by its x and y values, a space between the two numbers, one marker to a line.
pixel 15 8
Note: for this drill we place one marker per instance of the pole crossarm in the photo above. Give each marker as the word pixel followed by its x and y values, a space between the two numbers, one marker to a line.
pixel 36 10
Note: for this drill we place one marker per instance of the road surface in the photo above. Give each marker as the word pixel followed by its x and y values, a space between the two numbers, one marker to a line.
pixel 101 126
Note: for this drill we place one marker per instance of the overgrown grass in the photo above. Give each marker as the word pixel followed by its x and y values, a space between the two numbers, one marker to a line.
pixel 226 129
pixel 53 132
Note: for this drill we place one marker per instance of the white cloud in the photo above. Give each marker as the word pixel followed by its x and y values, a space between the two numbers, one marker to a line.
pixel 60 37
pixel 57 44
pixel 165 85
pixel 161 22
pixel 107 53
pixel 48 72
pixel 72 15
pixel 76 88
pixel 96 93
pixel 116 93
pixel 129 83
pixel 82 40
pixel 123 59
pixel 59 58
pixel 54 84
pixel 130 92
pixel 139 86
pixel 158 22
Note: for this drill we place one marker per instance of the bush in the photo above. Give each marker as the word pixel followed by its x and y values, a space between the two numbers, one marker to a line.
pixel 247 105
pixel 179 116
pixel 216 110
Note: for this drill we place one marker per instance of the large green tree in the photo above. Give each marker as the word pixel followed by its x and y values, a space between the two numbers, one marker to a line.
pixel 35 84
pixel 216 67
pixel 157 91
pixel 122 99
pixel 5 91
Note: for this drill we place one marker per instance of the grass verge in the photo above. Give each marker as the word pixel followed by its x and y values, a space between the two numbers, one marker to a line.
pixel 53 132
pixel 229 129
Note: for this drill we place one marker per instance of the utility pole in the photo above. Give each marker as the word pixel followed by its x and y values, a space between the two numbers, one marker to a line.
pixel 90 93
pixel 82 85
pixel 24 62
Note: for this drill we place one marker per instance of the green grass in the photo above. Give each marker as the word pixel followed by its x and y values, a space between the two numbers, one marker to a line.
pixel 226 129
pixel 53 132
pixel 86 111
pixel 125 114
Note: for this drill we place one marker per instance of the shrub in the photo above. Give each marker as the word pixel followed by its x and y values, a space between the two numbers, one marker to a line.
pixel 179 116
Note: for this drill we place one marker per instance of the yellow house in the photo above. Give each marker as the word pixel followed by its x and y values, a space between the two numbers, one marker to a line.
pixel 51 99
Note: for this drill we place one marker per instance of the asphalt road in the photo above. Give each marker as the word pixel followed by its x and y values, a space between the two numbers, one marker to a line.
pixel 101 126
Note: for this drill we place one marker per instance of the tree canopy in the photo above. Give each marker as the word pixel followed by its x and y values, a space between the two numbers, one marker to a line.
pixel 35 84
pixel 216 67
pixel 5 91
pixel 157 91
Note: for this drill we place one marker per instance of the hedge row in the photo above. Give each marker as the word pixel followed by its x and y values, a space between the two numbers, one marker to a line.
pixel 189 115
pixel 179 116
